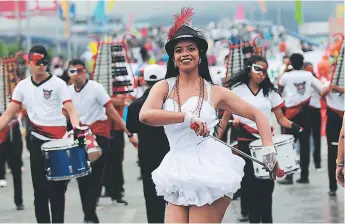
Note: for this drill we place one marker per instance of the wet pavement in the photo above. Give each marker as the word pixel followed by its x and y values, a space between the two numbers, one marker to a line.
pixel 298 203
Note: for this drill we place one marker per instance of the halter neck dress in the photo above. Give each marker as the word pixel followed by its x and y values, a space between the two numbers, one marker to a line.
pixel 196 170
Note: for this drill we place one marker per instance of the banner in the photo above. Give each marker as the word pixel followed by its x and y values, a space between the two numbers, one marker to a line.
pixel 110 5
pixel 298 12
pixel 65 11
pixel 340 11
pixel 11 8
pixel 262 6
pixel 239 13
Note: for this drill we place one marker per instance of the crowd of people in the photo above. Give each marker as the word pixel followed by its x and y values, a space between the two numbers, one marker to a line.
pixel 187 175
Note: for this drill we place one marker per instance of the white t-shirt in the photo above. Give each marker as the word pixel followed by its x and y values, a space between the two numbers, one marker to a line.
pixel 44 102
pixel 90 104
pixel 265 104
pixel 298 86
pixel 315 99
pixel 335 101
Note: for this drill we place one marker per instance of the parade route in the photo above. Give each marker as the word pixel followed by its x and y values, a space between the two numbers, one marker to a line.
pixel 306 203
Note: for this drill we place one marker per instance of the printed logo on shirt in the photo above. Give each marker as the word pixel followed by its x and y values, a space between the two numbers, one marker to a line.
pixel 300 87
pixel 47 93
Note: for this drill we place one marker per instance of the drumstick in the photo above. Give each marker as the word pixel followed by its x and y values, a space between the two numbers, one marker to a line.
pixel 194 127
pixel 280 172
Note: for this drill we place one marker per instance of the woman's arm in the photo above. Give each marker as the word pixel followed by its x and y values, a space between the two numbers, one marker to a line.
pixel 224 123
pixel 282 120
pixel 229 101
pixel 340 157
pixel 152 114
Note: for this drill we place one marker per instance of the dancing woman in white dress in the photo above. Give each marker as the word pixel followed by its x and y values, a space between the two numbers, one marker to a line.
pixel 199 175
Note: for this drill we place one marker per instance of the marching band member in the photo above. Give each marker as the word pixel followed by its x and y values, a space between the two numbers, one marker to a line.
pixel 253 85
pixel 198 176
pixel 315 117
pixel 43 95
pixel 340 159
pixel 113 177
pixel 11 149
pixel 93 105
pixel 335 113
pixel 153 146
pixel 296 89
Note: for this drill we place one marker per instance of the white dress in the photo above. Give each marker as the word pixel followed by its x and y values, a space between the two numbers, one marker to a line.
pixel 196 171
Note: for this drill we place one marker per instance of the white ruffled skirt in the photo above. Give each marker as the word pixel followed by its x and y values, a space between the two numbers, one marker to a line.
pixel 199 175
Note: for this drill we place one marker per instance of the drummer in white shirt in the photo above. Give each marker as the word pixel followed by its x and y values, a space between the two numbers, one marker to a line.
pixel 94 107
pixel 253 85
pixel 315 116
pixel 335 114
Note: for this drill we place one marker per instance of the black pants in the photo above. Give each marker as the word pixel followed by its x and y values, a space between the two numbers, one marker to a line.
pixel 256 194
pixel 303 119
pixel 45 191
pixel 315 125
pixel 155 205
pixel 90 186
pixel 334 122
pixel 11 151
pixel 113 178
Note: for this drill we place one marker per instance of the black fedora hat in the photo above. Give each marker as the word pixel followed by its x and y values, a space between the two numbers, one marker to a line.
pixel 181 31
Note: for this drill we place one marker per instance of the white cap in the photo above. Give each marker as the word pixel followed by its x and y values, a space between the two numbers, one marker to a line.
pixel 154 72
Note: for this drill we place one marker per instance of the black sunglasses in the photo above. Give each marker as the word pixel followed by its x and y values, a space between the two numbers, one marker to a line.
pixel 43 62
pixel 75 71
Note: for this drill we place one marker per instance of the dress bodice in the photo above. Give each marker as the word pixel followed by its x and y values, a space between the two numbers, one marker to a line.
pixel 180 136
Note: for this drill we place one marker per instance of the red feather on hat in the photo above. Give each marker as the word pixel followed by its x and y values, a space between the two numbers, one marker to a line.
pixel 180 19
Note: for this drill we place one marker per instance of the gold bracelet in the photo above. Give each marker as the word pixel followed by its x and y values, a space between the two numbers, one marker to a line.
pixel 341 164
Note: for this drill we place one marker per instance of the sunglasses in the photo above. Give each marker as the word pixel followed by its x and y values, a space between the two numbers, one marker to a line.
pixel 258 69
pixel 76 71
pixel 39 59
pixel 43 62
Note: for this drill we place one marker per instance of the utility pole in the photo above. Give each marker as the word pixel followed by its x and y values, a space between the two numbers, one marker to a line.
pixel 28 35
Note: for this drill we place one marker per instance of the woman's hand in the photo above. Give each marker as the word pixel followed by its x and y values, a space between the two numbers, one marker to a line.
pixel 339 173
pixel 200 128
pixel 196 124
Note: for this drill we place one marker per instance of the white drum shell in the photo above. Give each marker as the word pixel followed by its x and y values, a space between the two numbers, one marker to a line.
pixel 286 155
pixel 58 144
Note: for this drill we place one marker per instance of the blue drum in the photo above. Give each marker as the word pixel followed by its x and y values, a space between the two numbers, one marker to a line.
pixel 65 160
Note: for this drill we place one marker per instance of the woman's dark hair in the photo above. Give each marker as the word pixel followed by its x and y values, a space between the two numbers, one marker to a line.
pixel 204 72
pixel 65 77
pixel 243 76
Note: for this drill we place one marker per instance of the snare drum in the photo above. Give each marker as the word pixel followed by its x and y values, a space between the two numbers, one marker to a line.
pixel 93 150
pixel 286 155
pixel 64 160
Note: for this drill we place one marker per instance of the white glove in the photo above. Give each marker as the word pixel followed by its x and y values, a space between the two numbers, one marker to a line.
pixel 269 155
pixel 190 118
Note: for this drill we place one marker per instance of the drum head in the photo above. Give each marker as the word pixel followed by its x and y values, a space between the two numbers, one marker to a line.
pixel 277 139
pixel 58 144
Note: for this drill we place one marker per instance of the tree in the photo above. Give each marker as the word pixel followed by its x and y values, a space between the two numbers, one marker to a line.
pixel 3 50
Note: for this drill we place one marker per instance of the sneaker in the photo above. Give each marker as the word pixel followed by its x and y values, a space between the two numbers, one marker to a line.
pixel 319 169
pixel 302 181
pixel 285 181
pixel 120 201
pixel 20 207
pixel 332 193
pixel 244 218
pixel 3 183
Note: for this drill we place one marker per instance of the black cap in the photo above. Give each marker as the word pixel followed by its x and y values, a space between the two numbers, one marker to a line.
pixel 38 49
pixel 186 33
